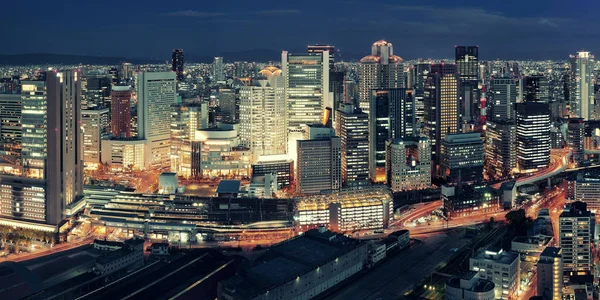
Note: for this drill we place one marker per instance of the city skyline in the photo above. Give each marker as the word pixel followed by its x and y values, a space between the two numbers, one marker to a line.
pixel 547 31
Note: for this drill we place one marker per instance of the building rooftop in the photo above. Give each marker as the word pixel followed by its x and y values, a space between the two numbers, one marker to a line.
pixel 493 254
pixel 290 259
pixel 229 186
pixel 551 252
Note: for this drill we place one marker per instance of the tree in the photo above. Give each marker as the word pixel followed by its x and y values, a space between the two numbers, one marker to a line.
pixel 519 221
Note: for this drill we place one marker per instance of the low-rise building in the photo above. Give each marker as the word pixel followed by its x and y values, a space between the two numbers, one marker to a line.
pixel 500 267
pixel 130 256
pixel 550 274
pixel 530 244
pixel 469 287
pixel 467 200
pixel 301 268
pixel 159 249
pixel 376 253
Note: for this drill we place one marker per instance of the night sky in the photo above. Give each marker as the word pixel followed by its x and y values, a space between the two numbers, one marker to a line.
pixel 536 29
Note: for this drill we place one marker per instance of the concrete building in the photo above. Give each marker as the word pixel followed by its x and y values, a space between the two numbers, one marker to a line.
pixel 576 231
pixel 263 186
pixel 95 89
pixel 300 268
pixel 10 125
pixel 262 114
pixel 536 89
pixel 52 162
pixel 125 154
pixel 550 274
pixel 533 136
pixel 467 200
pixel 280 165
pixel 217 69
pixel 177 63
pixel 392 116
pixel 462 158
pixel 441 107
pixel 581 85
pixel 380 70
pixel 530 244
pixel 499 149
pixel 500 267
pixel 353 130
pixel 408 164
pixel 156 93
pixel 319 164
pixel 186 119
pixel 586 188
pixel 469 286
pixel 96 127
pixel 221 153
pixel 120 121
pixel 130 256
pixel 229 105
pixel 345 210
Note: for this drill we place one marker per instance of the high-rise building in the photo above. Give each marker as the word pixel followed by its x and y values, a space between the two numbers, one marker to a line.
pixel 95 89
pixel 318 161
pixel 229 105
pixel 262 114
pixel 575 138
pixel 322 48
pixel 581 88
pixel 95 126
pixel 500 155
pixel 576 234
pixel 503 98
pixel 392 116
pixel 550 274
pixel 156 93
pixel 380 70
pixel 177 63
pixel 408 163
pixel 353 130
pixel 186 119
pixel 467 62
pixel 536 89
pixel 533 136
pixel 125 72
pixel 306 91
pixel 441 106
pixel 422 70
pixel 10 125
pixel 120 121
pixel 218 74
pixel 52 178
pixel 462 157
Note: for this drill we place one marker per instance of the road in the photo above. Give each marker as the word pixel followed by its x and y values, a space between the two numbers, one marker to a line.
pixel 558 163
pixel 55 249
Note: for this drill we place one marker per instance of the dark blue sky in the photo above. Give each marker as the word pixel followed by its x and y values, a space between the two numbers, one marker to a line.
pixel 537 29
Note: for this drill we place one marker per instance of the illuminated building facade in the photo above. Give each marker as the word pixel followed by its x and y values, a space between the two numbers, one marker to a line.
pixel 96 126
pixel 346 210
pixel 550 274
pixel 275 164
pixel 576 138
pixel 576 235
pixel 52 166
pixel 156 93
pixel 95 89
pixel 503 99
pixel 353 130
pixel 177 63
pixel 10 125
pixel 500 156
pixel 467 66
pixel 380 70
pixel 221 152
pixel 218 74
pixel 120 121
pixel 421 71
pixel 306 88
pixel 586 188
pixel 441 106
pixel 262 115
pixel 536 89
pixel 408 164
pixel 229 105
pixel 123 154
pixel 392 116
pixel 185 151
pixel 581 86
pixel 533 136
pixel 462 158
pixel 460 201
pixel 500 267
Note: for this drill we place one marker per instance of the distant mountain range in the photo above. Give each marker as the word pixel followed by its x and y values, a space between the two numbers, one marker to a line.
pixel 257 55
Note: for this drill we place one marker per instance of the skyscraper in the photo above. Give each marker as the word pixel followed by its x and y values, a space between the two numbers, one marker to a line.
pixel 575 138
pixel 392 116
pixel 177 63
pixel 10 125
pixel 353 129
pixel 536 89
pixel 467 62
pixel 96 126
pixel 306 90
pixel 500 154
pixel 380 70
pixel 319 161
pixel 576 234
pixel 441 106
pixel 422 70
pixel 95 89
pixel 52 177
pixel 120 121
pixel 229 105
pixel 262 114
pixel 467 66
pixel 462 158
pixel 533 136
pixel 581 87
pixel 503 98
pixel 218 74
pixel 322 48
pixel 156 93
pixel 550 274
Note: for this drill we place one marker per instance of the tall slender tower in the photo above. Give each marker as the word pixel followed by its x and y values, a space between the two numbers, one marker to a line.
pixel 467 66
pixel 120 122
pixel 582 86
pixel 353 129
pixel 52 166
pixel 218 74
pixel 380 70
pixel 177 63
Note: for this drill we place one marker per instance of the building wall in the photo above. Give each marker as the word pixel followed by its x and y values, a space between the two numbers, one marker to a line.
pixel 408 164
pixel 319 165
pixel 506 276
pixel 96 126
